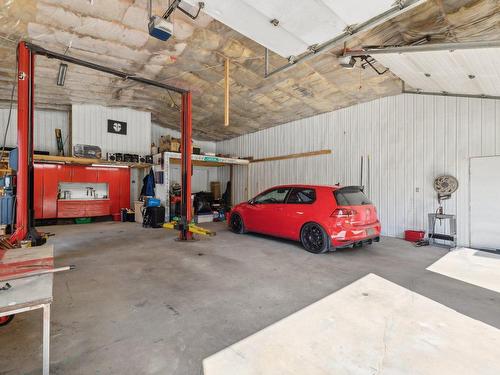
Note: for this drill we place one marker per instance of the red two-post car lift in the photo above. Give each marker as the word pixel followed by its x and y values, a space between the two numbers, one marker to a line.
pixel 24 224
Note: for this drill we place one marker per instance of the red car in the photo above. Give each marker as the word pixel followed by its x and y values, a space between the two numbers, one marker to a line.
pixel 321 217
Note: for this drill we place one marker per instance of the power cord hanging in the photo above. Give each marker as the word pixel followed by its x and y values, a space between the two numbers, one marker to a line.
pixel 9 116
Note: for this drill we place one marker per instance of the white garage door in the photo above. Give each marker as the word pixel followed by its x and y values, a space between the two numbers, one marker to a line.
pixel 485 202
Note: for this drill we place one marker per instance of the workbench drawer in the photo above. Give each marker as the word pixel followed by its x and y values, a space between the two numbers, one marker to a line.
pixel 98 209
pixel 70 209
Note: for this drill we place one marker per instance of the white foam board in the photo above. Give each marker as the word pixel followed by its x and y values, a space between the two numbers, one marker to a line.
pixel 475 267
pixel 372 326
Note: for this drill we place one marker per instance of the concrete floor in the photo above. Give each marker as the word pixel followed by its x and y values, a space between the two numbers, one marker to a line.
pixel 141 303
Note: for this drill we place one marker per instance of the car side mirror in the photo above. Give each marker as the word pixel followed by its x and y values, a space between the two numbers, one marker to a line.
pixel 251 201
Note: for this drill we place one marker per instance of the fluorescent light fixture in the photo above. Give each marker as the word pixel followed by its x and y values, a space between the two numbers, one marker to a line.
pixel 61 74
pixel 50 162
pixel 110 166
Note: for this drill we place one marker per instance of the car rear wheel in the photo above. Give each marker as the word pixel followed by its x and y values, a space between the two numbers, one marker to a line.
pixel 236 224
pixel 314 238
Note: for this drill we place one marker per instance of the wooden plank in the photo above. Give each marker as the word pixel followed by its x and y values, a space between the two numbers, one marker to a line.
pixel 67 159
pixel 293 156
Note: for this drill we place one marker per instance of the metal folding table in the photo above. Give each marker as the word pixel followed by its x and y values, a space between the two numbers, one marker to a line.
pixel 22 291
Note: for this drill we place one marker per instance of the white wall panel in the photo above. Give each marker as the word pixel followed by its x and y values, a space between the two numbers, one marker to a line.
pixel 90 126
pixel 408 139
pixel 45 123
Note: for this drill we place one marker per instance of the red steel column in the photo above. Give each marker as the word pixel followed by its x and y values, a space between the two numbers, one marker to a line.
pixel 24 71
pixel 186 166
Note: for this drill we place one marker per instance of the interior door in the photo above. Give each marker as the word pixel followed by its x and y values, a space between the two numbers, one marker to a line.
pixel 485 203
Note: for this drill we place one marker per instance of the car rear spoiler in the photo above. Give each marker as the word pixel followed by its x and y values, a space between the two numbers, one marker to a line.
pixel 351 189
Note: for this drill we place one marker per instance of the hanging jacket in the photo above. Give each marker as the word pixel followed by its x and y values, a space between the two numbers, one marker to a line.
pixel 148 185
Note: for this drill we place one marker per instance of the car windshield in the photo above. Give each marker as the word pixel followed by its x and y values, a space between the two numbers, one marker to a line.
pixel 351 196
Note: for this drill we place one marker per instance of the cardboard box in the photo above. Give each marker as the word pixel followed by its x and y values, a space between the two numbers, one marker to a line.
pixel 175 145
pixel 215 189
pixel 204 218
pixel 164 144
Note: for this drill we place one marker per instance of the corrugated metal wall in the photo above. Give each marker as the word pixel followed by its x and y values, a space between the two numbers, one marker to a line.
pixel 90 126
pixel 45 124
pixel 409 140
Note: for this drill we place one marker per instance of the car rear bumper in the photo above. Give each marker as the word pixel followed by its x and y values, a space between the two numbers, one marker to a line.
pixel 366 233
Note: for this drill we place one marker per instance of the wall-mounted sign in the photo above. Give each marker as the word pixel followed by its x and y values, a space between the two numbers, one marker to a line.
pixel 117 127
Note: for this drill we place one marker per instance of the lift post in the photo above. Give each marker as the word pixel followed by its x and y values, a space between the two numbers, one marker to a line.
pixel 185 227
pixel 25 175
pixel 186 167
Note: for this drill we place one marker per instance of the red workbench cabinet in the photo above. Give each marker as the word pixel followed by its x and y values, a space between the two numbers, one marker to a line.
pixel 47 179
pixel 84 174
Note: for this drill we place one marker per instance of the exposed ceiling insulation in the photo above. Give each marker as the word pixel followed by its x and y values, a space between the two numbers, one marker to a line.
pixel 300 23
pixel 114 33
pixel 471 71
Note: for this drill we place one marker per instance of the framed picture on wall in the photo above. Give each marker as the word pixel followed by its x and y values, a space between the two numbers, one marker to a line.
pixel 117 127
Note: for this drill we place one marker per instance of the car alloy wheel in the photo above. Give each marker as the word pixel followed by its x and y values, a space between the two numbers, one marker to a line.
pixel 314 238
pixel 236 223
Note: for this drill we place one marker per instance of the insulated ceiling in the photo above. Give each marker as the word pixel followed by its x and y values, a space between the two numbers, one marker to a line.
pixel 114 33
pixel 302 23
pixel 470 72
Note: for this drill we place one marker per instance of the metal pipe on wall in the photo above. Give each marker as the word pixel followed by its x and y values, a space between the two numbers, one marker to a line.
pixel 429 47
pixel 399 8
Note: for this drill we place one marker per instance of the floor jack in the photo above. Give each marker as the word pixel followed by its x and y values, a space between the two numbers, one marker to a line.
pixel 184 226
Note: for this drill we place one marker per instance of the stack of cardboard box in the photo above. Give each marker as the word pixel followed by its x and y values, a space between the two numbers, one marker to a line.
pixel 169 144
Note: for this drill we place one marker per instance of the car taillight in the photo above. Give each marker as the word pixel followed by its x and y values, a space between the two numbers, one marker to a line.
pixel 343 212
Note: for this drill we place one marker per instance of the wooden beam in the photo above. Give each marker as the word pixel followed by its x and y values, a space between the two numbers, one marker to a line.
pixel 226 92
pixel 293 156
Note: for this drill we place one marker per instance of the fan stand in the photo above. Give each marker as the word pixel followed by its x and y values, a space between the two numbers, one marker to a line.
pixel 444 186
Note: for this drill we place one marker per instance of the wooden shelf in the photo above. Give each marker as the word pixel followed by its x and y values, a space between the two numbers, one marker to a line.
pixel 82 161
pixel 86 161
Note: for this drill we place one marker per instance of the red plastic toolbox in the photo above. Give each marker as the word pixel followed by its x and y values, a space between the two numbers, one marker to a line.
pixel 414 235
